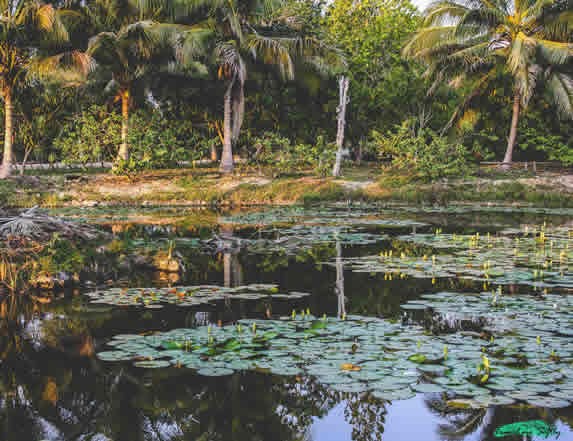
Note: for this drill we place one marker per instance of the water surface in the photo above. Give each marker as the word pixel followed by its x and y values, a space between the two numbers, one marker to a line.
pixel 54 387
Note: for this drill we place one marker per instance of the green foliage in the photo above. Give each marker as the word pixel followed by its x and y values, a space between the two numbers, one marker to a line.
pixel 425 154
pixel 135 59
pixel 156 141
pixel 384 89
pixel 463 47
pixel 556 146
pixel 61 255
pixel 282 157
pixel 159 142
pixel 91 136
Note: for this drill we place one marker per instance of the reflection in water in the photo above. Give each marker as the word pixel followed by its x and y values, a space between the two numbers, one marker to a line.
pixel 339 287
pixel 53 388
pixel 232 270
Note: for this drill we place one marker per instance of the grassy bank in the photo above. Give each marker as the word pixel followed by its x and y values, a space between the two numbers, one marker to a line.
pixel 205 187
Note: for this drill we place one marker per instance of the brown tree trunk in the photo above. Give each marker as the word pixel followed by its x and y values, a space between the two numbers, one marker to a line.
pixel 508 158
pixel 7 159
pixel 123 153
pixel 27 153
pixel 227 165
pixel 343 83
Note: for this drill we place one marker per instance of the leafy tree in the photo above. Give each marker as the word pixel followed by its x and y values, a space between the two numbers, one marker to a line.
pixel 28 29
pixel 384 87
pixel 478 43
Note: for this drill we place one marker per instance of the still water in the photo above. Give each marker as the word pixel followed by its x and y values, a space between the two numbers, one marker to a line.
pixel 355 262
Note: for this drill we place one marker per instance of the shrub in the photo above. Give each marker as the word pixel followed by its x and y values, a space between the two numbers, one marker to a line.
pixel 426 155
pixel 281 157
pixel 555 146
pixel 155 140
pixel 93 135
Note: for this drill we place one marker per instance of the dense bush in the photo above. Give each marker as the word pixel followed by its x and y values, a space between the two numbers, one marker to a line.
pixel 555 146
pixel 424 154
pixel 92 136
pixel 282 157
pixel 155 140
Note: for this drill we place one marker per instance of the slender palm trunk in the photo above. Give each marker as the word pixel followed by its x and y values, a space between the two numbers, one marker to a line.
pixel 343 96
pixel 7 159
pixel 123 153
pixel 227 165
pixel 238 106
pixel 513 130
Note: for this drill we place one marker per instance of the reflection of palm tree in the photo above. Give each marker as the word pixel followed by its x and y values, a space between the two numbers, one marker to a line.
pixel 339 287
pixel 462 422
pixel 232 270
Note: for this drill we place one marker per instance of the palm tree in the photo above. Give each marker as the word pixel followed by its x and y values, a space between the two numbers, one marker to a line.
pixel 26 27
pixel 248 31
pixel 126 58
pixel 477 42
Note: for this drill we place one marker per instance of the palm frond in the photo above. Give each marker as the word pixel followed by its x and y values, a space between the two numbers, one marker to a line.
pixel 193 42
pixel 273 51
pixel 443 13
pixel 521 53
pixel 535 10
pixel 68 68
pixel 482 19
pixel 560 88
pixel 429 38
pixel 476 90
pixel 103 41
pixel 554 52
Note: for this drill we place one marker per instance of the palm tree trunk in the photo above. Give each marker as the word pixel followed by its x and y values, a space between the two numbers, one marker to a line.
pixel 227 165
pixel 513 131
pixel 123 153
pixel 238 101
pixel 343 96
pixel 7 159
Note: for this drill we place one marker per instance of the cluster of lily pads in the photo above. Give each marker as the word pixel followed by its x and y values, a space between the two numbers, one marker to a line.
pixel 155 298
pixel 545 316
pixel 537 258
pixel 289 230
pixel 358 354
pixel 302 237
pixel 320 216
pixel 463 208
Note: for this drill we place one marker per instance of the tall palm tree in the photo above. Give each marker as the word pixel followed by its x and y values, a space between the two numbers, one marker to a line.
pixel 27 27
pixel 477 42
pixel 249 31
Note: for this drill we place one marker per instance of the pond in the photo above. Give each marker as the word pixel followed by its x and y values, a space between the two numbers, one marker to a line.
pixel 328 323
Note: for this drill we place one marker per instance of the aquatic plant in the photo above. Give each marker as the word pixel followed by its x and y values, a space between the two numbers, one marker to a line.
pixel 156 298
pixel 533 257
pixel 363 354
